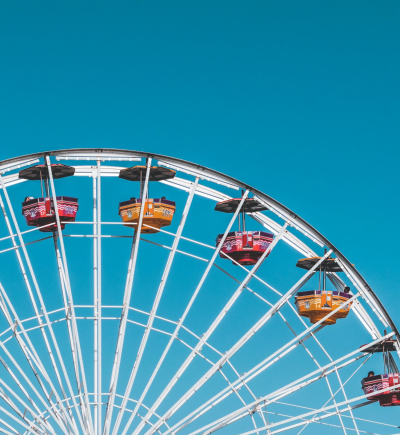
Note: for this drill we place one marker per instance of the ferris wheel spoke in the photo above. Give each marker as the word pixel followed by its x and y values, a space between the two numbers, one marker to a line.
pixel 343 415
pixel 234 390
pixel 275 396
pixel 365 291
pixel 126 302
pixel 198 353
pixel 329 357
pixel 272 359
pixel 181 320
pixel 27 409
pixel 341 388
pixel 20 400
pixel 224 254
pixel 30 356
pixel 21 419
pixel 156 303
pixel 43 414
pixel 286 322
pixel 74 334
pixel 269 304
pixel 304 416
pixel 243 340
pixel 226 357
pixel 308 422
pixel 97 297
pixel 22 414
pixel 60 402
pixel 61 422
pixel 224 394
pixel 318 365
pixel 68 415
pixel 67 311
pixel 22 267
pixel 14 431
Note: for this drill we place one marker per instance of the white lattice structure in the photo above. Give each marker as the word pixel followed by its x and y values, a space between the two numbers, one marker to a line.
pixel 105 334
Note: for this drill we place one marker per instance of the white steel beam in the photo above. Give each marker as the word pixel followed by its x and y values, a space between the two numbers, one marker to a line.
pixel 31 361
pixel 205 337
pixel 263 365
pixel 187 309
pixel 97 259
pixel 318 411
pixel 86 413
pixel 157 299
pixel 126 302
pixel 70 331
pixel 67 415
pixel 286 390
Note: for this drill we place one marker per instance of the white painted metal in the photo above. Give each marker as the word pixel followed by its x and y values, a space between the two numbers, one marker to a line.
pixel 96 239
pixel 70 424
pixel 155 305
pixel 54 408
pixel 13 166
pixel 288 389
pixel 182 319
pixel 87 415
pixel 125 309
pixel 99 157
pixel 98 301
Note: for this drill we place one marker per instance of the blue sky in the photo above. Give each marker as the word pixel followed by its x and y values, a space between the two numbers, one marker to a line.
pixel 298 99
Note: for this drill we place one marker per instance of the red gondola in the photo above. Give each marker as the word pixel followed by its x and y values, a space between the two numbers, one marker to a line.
pixel 391 378
pixel 40 212
pixel 244 247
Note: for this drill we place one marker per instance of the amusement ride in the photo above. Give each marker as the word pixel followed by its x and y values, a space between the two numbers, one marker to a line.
pixel 135 324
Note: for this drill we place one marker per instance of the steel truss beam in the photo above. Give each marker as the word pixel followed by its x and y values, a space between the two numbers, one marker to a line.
pixel 63 410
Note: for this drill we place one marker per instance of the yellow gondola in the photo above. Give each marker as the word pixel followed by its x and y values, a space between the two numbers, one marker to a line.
pixel 158 212
pixel 316 304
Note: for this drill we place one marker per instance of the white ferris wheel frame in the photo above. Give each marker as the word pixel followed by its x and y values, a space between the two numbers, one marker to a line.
pixel 88 405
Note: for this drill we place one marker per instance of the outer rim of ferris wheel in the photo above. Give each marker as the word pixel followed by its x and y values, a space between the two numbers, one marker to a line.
pixel 296 218
pixel 200 172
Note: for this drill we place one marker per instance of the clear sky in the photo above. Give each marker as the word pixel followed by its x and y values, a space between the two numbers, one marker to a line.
pixel 298 98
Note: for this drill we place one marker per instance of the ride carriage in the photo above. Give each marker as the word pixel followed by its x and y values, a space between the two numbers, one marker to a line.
pixel 316 304
pixel 391 378
pixel 158 212
pixel 244 247
pixel 41 212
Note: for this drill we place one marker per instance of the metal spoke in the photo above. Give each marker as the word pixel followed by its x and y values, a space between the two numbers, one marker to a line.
pixel 155 304
pixel 68 416
pixel 96 174
pixel 284 391
pixel 126 301
pixel 241 342
pixel 187 309
pixel 44 388
pixel 74 327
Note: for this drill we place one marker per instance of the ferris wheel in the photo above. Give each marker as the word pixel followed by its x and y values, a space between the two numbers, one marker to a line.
pixel 142 294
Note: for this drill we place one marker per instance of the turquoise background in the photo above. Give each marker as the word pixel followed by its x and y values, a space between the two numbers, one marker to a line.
pixel 298 98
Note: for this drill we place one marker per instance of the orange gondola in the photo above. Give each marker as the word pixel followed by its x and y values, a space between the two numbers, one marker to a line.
pixel 244 247
pixel 158 212
pixel 316 304
pixel 40 212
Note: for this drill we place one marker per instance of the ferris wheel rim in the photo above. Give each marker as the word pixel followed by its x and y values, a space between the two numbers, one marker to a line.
pixel 235 181
pixel 95 158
